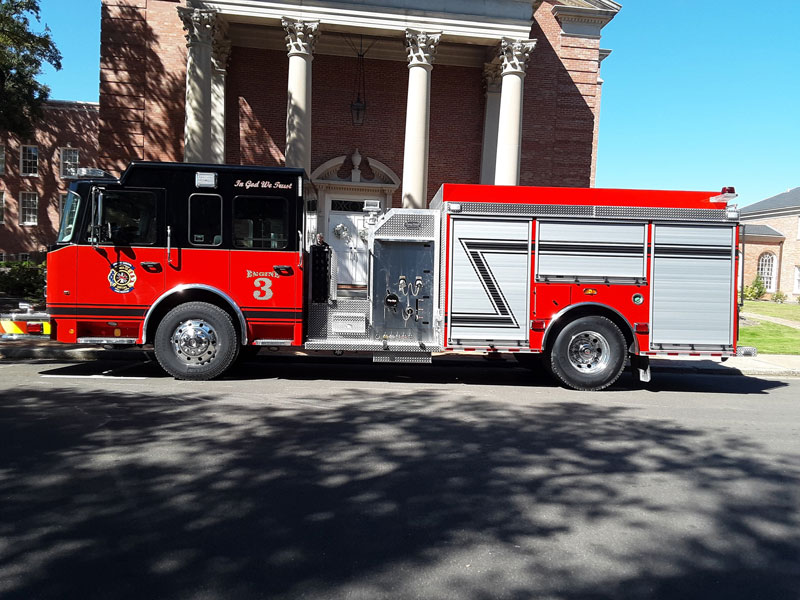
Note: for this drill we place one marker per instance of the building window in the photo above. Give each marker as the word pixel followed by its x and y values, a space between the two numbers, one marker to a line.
pixel 2 257
pixel 69 162
pixel 2 160
pixel 24 257
pixel 2 207
pixel 62 200
pixel 766 270
pixel 29 208
pixel 29 161
pixel 797 280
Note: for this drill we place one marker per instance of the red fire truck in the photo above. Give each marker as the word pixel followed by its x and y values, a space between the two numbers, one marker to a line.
pixel 210 262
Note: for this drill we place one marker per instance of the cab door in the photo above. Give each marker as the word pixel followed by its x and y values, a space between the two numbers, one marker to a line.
pixel 266 278
pixel 120 268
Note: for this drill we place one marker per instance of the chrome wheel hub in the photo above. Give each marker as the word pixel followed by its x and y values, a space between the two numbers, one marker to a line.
pixel 195 341
pixel 589 352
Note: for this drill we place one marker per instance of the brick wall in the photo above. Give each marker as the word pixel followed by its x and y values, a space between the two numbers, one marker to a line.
pixel 142 82
pixel 561 102
pixel 64 124
pixel 787 252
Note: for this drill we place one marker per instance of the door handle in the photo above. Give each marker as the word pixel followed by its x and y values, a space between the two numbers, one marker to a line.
pixel 151 267
pixel 284 270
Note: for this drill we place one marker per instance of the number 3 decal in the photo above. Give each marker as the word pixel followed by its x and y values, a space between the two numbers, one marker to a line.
pixel 265 291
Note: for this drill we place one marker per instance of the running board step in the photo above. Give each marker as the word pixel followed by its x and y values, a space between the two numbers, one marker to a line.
pixel 102 340
pixel 402 357
pixel 272 342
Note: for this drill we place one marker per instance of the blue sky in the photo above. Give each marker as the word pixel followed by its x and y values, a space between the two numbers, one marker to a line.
pixel 697 95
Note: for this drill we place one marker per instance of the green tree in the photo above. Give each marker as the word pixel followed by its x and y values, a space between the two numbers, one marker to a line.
pixel 22 53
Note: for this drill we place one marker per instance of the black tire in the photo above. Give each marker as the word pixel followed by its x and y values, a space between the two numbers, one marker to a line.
pixel 588 354
pixel 196 341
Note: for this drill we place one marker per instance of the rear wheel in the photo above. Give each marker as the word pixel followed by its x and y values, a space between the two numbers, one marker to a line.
pixel 196 341
pixel 588 354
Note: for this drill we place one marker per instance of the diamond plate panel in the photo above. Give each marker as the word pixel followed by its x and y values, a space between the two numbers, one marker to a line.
pixel 658 214
pixel 599 212
pixel 528 210
pixel 408 224
pixel 402 357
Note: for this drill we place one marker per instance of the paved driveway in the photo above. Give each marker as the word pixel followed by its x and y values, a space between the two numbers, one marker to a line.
pixel 342 479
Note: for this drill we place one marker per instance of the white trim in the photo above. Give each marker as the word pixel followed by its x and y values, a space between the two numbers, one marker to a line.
pixel 21 208
pixel 796 279
pixel 376 18
pixel 21 158
pixel 771 283
pixel 61 162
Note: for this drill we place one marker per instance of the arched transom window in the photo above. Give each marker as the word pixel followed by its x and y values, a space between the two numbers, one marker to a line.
pixel 766 270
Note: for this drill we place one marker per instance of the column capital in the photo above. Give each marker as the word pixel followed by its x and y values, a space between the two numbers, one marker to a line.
pixel 301 36
pixel 421 47
pixel 221 47
pixel 198 23
pixel 515 54
pixel 492 77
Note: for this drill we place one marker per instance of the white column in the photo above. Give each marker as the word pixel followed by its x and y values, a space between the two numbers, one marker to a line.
pixel 221 50
pixel 491 117
pixel 199 25
pixel 514 55
pixel 421 48
pixel 300 39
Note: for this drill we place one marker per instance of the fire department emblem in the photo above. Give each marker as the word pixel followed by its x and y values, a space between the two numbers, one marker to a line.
pixel 121 277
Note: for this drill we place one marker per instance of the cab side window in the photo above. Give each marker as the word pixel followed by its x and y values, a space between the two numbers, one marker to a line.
pixel 132 215
pixel 205 220
pixel 260 222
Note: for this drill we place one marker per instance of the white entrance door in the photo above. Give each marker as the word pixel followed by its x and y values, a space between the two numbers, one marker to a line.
pixel 347 235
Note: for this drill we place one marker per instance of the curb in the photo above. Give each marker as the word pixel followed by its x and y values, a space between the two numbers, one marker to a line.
pixel 28 352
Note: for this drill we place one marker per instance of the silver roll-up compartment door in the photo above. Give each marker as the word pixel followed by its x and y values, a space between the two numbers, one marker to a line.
pixel 692 291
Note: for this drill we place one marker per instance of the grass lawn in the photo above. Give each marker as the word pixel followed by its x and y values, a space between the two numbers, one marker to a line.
pixel 787 310
pixel 770 338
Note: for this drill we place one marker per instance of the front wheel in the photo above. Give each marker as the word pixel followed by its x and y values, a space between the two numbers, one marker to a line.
pixel 588 354
pixel 196 341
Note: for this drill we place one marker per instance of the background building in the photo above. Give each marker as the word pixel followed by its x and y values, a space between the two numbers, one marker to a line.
pixel 35 174
pixel 772 238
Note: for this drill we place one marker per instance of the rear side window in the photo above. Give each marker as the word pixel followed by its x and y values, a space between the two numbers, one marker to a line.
pixel 205 220
pixel 260 222
pixel 132 215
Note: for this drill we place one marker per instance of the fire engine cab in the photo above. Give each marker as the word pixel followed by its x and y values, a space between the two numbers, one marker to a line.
pixel 212 262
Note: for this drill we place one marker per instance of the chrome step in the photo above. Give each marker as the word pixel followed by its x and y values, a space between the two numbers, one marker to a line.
pixel 102 340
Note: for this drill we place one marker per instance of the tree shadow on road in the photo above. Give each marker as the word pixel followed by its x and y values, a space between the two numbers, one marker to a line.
pixel 382 495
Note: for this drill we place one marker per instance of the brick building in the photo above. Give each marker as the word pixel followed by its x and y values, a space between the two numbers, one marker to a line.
pixel 35 174
pixel 376 100
pixel 772 239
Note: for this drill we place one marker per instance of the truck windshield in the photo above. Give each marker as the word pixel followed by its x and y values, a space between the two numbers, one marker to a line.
pixel 69 216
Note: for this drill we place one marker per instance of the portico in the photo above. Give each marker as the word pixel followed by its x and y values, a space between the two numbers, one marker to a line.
pixel 466 35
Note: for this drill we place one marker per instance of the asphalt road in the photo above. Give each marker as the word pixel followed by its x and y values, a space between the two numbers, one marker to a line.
pixel 341 479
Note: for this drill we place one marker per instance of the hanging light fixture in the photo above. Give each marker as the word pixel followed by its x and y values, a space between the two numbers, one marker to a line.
pixel 358 107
